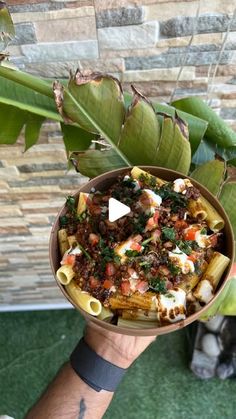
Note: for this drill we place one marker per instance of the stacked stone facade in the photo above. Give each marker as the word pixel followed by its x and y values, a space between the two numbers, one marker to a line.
pixel 167 49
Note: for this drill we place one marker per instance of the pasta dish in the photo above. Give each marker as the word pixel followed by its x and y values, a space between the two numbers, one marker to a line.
pixel 156 265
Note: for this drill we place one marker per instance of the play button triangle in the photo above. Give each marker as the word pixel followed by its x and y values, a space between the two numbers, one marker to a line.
pixel 116 209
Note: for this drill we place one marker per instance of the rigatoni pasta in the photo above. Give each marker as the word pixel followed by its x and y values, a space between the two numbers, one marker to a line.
pixel 156 265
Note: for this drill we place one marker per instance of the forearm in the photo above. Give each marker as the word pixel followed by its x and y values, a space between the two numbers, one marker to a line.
pixel 69 397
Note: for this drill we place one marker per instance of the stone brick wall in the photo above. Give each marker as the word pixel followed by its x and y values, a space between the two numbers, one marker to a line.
pixel 168 49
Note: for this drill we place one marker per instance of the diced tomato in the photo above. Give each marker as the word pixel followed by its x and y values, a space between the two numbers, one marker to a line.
pixel 68 260
pixel 193 257
pixel 93 239
pixel 190 234
pixel 181 225
pixel 156 216
pixel 136 246
pixel 93 282
pixel 150 224
pixel 125 288
pixel 107 284
pixel 213 240
pixel 142 286
pixel 110 269
pixel 163 270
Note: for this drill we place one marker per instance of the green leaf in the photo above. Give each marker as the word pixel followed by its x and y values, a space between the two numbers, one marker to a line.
pixel 174 150
pixel 214 308
pixel 32 129
pixel 26 99
pixel 141 132
pixel 11 121
pixel 197 127
pixel 228 304
pixel 211 175
pixel 204 153
pixel 218 132
pixel 75 138
pixel 92 163
pixel 95 102
pixel 228 200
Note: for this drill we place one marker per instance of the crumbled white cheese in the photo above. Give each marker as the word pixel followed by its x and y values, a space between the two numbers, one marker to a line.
pixel 154 201
pixel 134 181
pixel 202 239
pixel 121 248
pixel 171 306
pixel 180 185
pixel 180 259
pixel 75 251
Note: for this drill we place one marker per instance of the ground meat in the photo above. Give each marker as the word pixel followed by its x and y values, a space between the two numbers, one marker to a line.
pixel 192 192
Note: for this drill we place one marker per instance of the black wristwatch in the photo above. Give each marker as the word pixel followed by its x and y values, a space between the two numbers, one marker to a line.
pixel 95 370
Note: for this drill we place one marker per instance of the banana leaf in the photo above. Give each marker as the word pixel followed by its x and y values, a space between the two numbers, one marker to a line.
pixel 75 138
pixel 95 162
pixel 197 127
pixel 228 200
pixel 220 301
pixel 218 132
pixel 140 135
pixel 211 175
pixel 204 153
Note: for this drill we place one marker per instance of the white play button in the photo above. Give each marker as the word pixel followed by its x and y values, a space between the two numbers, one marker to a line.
pixel 117 209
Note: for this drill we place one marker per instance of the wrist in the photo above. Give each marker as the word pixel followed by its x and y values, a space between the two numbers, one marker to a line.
pixel 107 348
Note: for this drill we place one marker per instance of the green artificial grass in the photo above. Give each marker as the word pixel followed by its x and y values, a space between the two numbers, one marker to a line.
pixel 159 385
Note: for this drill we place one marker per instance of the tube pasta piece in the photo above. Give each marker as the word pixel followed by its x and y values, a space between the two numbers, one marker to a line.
pixel 206 287
pixel 191 280
pixel 146 301
pixel 216 268
pixel 197 209
pixel 82 202
pixel 84 300
pixel 136 172
pixel 105 314
pixel 71 240
pixel 213 219
pixel 138 314
pixel 63 241
pixel 136 324
pixel 65 274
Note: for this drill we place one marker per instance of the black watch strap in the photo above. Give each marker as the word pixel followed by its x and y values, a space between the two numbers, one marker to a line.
pixel 95 370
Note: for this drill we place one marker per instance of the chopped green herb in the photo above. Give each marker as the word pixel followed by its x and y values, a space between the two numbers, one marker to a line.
pixel 63 221
pixel 70 203
pixel 140 223
pixel 145 242
pixel 81 217
pixel 168 233
pixel 129 183
pixel 203 231
pixel 174 270
pixel 85 252
pixel 178 200
pixel 148 180
pixel 158 285
pixel 185 246
pixel 132 253
pixel 146 266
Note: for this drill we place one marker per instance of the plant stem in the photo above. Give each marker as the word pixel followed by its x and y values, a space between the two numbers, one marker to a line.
pixel 35 83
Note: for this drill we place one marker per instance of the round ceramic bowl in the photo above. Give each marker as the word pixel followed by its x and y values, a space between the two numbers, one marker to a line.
pixel 102 183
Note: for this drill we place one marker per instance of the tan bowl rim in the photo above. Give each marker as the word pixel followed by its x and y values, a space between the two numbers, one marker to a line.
pixel 159 330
